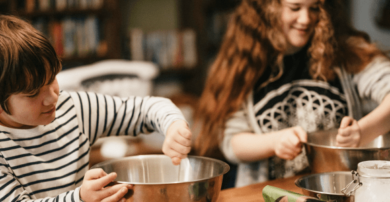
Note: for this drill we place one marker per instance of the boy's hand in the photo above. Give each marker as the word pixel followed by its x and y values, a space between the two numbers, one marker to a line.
pixel 349 133
pixel 177 143
pixel 93 188
pixel 289 143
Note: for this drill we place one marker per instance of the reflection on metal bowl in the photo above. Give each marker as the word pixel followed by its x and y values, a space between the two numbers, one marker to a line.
pixel 156 179
pixel 326 186
pixel 324 156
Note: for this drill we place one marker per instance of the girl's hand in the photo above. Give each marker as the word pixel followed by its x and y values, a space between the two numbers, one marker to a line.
pixel 289 143
pixel 177 143
pixel 93 188
pixel 349 133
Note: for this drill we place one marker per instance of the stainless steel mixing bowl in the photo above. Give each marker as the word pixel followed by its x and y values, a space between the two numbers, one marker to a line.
pixel 326 186
pixel 324 156
pixel 156 179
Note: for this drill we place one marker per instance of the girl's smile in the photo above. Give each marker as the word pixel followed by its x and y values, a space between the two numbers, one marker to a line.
pixel 299 18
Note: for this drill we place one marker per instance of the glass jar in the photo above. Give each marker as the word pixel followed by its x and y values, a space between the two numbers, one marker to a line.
pixel 371 182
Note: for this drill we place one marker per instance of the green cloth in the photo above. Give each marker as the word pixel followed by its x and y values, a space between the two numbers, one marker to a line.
pixel 274 194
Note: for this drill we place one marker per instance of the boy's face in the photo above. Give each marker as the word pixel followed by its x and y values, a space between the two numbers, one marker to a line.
pixel 31 110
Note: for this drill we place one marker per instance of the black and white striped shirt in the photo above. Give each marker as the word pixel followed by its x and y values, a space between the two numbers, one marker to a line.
pixel 48 163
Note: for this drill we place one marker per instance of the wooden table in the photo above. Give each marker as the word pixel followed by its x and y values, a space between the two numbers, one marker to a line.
pixel 253 193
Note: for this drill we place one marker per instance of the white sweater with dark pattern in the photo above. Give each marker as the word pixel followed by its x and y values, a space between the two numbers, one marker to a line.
pixel 48 163
pixel 372 83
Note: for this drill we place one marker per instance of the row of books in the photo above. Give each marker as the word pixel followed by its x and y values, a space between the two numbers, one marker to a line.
pixel 168 49
pixel 44 5
pixel 72 36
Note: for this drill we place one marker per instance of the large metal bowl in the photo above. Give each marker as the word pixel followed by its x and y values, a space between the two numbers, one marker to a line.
pixel 156 179
pixel 326 186
pixel 324 156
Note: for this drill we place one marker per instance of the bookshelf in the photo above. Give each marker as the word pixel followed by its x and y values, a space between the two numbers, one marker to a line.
pixel 195 15
pixel 81 31
pixel 208 18
pixel 153 34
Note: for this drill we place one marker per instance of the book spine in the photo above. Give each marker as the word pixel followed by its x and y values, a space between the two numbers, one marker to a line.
pixel 136 45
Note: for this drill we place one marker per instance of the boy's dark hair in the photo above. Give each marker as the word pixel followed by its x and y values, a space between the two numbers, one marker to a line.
pixel 27 59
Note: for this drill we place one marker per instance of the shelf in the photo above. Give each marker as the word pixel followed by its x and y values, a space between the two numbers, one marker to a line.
pixel 73 62
pixel 178 73
pixel 182 72
pixel 85 58
pixel 65 12
pixel 221 5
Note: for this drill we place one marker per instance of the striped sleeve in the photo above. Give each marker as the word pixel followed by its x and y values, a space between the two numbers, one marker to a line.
pixel 103 115
pixel 12 190
pixel 374 81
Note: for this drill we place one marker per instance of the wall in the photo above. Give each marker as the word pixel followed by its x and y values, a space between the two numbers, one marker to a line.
pixel 362 18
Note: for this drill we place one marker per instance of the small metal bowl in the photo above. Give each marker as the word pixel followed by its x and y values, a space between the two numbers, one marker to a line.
pixel 155 178
pixel 326 186
pixel 324 156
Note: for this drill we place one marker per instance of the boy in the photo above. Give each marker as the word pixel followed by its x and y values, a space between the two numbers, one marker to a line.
pixel 46 134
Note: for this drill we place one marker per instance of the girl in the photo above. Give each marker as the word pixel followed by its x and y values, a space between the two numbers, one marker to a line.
pixel 285 68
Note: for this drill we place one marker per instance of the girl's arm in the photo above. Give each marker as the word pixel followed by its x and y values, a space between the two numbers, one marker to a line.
pixel 357 133
pixel 240 144
pixel 376 122
pixel 372 83
pixel 285 144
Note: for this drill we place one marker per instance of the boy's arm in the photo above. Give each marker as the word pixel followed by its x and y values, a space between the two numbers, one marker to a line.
pixel 12 190
pixel 103 115
pixel 92 189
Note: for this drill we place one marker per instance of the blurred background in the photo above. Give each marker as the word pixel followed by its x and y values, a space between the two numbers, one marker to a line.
pixel 150 47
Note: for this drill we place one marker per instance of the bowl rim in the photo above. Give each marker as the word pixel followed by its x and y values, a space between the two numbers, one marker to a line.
pixel 225 167
pixel 333 132
pixel 320 192
pixel 346 148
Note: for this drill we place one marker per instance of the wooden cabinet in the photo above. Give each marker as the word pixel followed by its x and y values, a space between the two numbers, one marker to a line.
pixel 81 31
pixel 4 7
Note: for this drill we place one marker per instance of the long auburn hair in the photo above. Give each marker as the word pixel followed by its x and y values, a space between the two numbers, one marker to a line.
pixel 254 41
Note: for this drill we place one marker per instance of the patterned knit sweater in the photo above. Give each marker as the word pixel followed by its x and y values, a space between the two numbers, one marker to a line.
pixel 295 99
